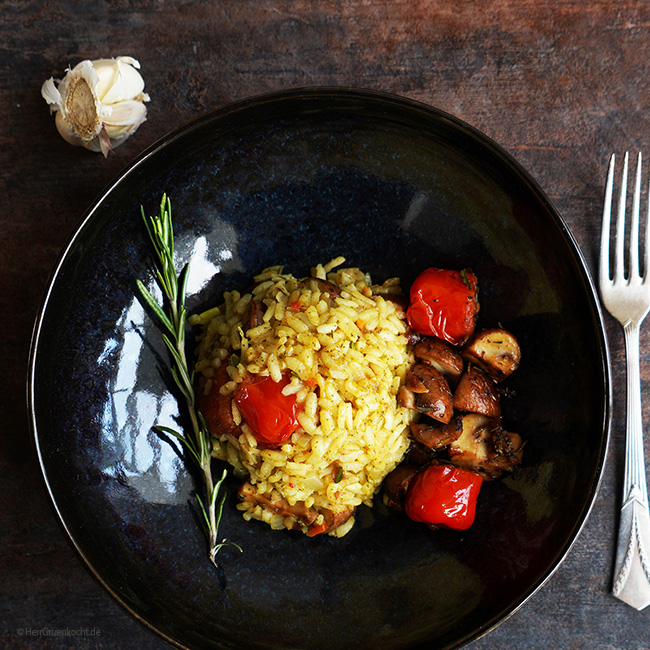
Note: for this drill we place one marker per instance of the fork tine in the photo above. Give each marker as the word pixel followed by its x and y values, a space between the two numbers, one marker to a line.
pixel 619 255
pixel 604 274
pixel 634 229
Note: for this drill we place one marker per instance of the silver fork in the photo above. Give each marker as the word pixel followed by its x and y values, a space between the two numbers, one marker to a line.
pixel 627 298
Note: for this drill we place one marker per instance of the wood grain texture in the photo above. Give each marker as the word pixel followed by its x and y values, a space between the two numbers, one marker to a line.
pixel 559 83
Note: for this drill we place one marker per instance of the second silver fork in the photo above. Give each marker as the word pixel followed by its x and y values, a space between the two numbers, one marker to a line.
pixel 627 297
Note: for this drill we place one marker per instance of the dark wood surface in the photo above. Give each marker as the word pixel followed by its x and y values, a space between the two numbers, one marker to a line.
pixel 560 84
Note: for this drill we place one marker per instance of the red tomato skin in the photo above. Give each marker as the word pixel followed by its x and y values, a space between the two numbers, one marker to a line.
pixel 443 495
pixel 271 415
pixel 444 304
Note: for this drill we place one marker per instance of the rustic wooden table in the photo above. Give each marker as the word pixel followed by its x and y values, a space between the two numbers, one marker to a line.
pixel 559 83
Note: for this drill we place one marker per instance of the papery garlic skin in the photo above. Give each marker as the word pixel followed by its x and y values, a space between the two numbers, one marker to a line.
pixel 98 104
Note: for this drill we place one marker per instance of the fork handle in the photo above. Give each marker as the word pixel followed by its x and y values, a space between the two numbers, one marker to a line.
pixel 632 570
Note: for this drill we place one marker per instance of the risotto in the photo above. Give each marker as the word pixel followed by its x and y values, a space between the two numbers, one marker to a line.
pixel 334 346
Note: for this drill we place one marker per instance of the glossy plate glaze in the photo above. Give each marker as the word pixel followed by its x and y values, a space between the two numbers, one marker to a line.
pixel 297 178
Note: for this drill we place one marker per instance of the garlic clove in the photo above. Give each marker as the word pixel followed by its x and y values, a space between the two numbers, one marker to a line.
pixel 126 113
pixel 118 79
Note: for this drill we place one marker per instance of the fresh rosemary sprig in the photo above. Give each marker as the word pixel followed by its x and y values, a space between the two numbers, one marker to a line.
pixel 173 287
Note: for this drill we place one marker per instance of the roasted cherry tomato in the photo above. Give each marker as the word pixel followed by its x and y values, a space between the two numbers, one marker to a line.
pixel 443 495
pixel 444 304
pixel 271 415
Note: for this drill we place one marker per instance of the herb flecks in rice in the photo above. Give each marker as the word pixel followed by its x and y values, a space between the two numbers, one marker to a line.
pixel 346 349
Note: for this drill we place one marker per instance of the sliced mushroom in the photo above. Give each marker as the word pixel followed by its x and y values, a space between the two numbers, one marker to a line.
pixel 217 408
pixel 441 355
pixel 406 398
pixel 255 314
pixel 333 519
pixel 396 484
pixel 471 449
pixel 249 493
pixel 307 516
pixel 437 435
pixel 327 287
pixel 418 454
pixel 477 393
pixel 430 392
pixel 496 351
pixel 485 447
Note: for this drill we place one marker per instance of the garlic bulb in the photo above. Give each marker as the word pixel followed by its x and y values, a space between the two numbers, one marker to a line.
pixel 98 104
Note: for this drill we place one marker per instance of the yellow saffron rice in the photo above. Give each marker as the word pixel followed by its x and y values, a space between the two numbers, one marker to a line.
pixel 347 354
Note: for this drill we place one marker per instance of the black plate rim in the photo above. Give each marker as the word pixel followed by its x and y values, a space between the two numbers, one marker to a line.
pixel 312 94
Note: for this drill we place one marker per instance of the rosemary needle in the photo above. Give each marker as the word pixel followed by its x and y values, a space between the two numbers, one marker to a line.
pixel 174 320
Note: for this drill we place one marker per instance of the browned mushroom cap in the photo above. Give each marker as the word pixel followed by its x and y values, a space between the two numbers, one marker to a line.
pixel 508 450
pixel 441 355
pixel 430 392
pixel 417 454
pixel 485 447
pixel 437 435
pixel 477 393
pixel 396 484
pixel 496 351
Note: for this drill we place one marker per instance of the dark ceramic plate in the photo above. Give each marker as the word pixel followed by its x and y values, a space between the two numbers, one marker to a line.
pixel 297 178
